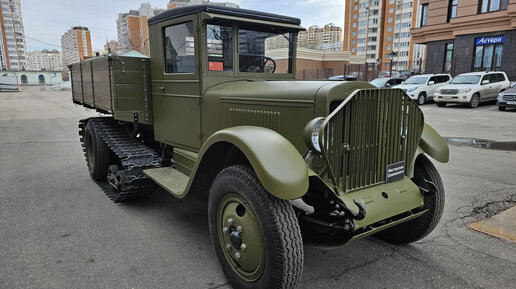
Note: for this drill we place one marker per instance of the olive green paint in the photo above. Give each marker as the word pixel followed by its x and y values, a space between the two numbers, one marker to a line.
pixel 434 145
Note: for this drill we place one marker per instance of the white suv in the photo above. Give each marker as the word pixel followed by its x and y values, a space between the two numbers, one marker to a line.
pixel 472 88
pixel 422 87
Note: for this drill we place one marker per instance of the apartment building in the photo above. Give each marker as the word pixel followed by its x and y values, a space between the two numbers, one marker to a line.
pixel 133 31
pixel 76 45
pixel 112 47
pixel 316 36
pixel 377 29
pixel 44 60
pixel 12 36
pixel 468 35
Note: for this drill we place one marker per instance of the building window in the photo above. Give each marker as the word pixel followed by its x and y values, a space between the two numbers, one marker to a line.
pixel 424 15
pixel 179 48
pixel 452 9
pixel 389 38
pixel 219 44
pixel 389 29
pixel 448 57
pixel 492 5
pixel 388 47
pixel 488 53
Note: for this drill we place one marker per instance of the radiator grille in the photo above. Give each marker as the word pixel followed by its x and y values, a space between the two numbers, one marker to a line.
pixel 368 131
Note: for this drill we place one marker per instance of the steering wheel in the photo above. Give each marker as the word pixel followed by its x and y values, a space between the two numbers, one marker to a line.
pixel 259 64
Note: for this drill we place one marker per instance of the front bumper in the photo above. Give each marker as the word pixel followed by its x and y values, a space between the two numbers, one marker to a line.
pixel 506 103
pixel 457 98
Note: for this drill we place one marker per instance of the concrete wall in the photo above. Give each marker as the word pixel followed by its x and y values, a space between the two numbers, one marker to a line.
pixel 33 77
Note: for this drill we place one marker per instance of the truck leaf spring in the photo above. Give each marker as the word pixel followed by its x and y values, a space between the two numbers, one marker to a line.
pixel 134 156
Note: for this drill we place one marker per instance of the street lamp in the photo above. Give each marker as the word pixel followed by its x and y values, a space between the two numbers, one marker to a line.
pixel 391 56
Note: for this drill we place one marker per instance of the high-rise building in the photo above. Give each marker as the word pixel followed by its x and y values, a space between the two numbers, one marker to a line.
pixel 12 36
pixel 379 30
pixel 112 47
pixel 44 60
pixel 181 3
pixel 316 36
pixel 133 31
pixel 76 45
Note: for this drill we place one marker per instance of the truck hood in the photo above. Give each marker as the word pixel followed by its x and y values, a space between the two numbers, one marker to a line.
pixel 283 106
pixel 457 86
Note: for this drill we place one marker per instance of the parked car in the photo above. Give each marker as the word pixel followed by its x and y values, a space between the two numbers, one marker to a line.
pixel 386 82
pixel 507 98
pixel 472 88
pixel 344 77
pixel 422 87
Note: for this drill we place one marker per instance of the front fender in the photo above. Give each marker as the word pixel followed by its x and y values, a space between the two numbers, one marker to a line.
pixel 278 165
pixel 433 144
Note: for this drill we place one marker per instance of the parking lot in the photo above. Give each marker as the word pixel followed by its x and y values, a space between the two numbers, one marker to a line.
pixel 59 230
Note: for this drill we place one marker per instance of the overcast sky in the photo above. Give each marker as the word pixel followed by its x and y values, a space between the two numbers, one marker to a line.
pixel 47 20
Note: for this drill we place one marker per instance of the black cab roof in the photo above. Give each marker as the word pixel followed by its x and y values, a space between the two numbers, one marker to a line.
pixel 194 9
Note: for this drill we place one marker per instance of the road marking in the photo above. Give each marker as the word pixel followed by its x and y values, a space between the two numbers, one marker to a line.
pixel 488 108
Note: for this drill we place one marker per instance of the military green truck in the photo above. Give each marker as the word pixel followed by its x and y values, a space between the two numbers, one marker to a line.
pixel 216 110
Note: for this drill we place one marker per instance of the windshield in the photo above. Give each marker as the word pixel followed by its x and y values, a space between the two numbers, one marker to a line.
pixel 465 79
pixel 264 51
pixel 379 82
pixel 416 80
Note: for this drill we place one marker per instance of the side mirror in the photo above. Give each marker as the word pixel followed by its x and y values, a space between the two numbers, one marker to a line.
pixel 485 81
pixel 403 82
pixel 431 82
pixel 387 84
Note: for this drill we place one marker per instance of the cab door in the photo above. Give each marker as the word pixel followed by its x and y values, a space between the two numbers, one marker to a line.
pixel 176 82
pixel 432 86
pixel 486 87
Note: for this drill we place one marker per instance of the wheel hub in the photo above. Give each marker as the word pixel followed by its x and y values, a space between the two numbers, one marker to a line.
pixel 240 236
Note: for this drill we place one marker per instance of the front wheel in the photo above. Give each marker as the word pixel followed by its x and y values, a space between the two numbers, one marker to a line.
pixel 441 104
pixel 420 227
pixel 475 100
pixel 256 236
pixel 421 98
pixel 501 108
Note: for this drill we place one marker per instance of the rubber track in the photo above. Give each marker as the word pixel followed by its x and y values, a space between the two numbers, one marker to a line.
pixel 134 155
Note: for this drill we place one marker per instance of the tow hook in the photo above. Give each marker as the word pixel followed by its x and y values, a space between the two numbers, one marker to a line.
pixel 428 191
pixel 339 205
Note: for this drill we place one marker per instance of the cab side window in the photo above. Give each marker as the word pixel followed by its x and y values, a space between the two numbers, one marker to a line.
pixel 179 48
pixel 442 78
pixel 486 77
pixel 434 79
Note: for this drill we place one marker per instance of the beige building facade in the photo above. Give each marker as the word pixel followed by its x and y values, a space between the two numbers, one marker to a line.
pixel 468 35
pixel 44 60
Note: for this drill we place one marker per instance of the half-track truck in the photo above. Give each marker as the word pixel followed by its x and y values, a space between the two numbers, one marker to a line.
pixel 217 110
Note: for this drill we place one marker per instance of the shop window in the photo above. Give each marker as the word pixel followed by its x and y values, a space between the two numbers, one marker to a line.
pixel 424 15
pixel 448 57
pixel 485 6
pixel 488 57
pixel 452 9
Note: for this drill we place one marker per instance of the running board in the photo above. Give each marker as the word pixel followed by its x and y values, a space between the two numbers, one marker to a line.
pixel 169 179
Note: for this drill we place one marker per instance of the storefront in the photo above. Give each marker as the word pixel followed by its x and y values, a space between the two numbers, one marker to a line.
pixel 473 52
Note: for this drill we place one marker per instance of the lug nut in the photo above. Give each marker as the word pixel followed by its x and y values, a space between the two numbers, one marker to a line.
pixel 239 229
pixel 228 247
pixel 225 230
pixel 337 206
pixel 331 202
pixel 230 221
pixel 341 213
pixel 237 255
pixel 243 247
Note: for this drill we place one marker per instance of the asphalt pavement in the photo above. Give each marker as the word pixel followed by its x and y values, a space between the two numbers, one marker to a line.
pixel 59 230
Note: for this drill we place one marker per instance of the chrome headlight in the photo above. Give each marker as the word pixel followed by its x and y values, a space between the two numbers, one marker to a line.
pixel 311 133
pixel 500 97
pixel 465 90
pixel 412 89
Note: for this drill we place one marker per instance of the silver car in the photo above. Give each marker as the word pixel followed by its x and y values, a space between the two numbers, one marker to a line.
pixel 472 88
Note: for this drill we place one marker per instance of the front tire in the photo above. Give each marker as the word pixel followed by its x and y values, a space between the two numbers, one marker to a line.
pixel 97 153
pixel 420 227
pixel 475 100
pixel 256 236
pixel 421 98
pixel 441 104
pixel 501 108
